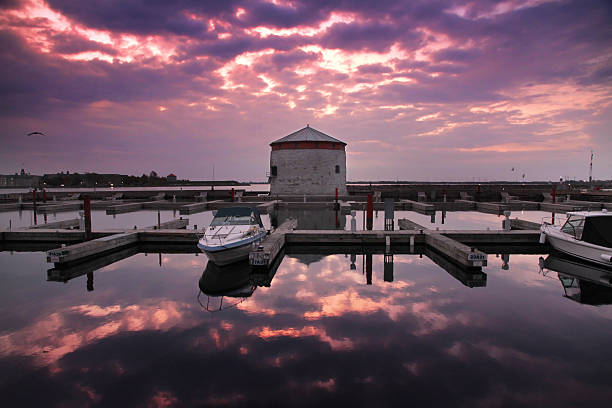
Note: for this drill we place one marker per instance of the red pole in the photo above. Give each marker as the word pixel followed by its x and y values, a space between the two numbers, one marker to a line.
pixel 44 195
pixel 87 212
pixel 554 194
pixel 370 212
pixel 336 194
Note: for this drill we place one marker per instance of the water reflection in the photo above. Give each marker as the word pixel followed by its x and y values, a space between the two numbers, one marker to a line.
pixel 310 219
pixel 219 282
pixel 318 332
pixel 235 281
pixel 582 282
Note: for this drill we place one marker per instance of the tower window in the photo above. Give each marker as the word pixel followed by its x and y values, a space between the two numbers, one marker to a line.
pixel 337 169
pixel 273 171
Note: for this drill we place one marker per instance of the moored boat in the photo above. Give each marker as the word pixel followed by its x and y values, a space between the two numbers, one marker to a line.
pixel 585 234
pixel 232 234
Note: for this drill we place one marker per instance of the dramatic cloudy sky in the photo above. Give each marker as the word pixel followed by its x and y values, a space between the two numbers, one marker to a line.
pixel 423 89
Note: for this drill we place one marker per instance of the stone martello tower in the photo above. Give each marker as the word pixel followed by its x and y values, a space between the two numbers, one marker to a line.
pixel 307 162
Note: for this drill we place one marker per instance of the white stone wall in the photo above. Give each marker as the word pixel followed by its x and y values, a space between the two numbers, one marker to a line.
pixel 308 171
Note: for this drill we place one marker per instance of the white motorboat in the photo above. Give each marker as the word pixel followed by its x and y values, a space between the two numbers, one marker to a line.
pixel 232 234
pixel 585 234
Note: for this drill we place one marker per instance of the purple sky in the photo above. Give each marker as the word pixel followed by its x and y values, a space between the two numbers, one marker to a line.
pixel 420 90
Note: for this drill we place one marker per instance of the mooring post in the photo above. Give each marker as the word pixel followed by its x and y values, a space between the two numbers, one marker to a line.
pixel 87 213
pixel 370 212
pixel 34 206
pixel 506 222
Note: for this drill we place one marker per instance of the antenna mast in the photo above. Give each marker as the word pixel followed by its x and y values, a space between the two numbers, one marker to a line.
pixel 591 169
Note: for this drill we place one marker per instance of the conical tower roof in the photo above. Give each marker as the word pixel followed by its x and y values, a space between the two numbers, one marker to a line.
pixel 307 134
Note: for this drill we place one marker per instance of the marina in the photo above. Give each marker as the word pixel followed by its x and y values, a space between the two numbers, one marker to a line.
pixel 305 204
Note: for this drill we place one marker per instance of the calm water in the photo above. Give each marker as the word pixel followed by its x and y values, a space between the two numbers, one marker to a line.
pixel 313 333
pixel 250 187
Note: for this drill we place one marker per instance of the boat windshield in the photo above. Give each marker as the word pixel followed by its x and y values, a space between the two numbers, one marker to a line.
pixel 232 220
pixel 574 226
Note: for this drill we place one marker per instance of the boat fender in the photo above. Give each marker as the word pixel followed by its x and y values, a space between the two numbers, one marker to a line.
pixel 606 257
pixel 542 238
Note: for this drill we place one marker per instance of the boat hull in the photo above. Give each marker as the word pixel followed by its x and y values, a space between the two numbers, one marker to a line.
pixel 567 244
pixel 225 256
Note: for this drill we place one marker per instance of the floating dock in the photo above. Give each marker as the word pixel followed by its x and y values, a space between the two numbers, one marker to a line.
pixel 468 249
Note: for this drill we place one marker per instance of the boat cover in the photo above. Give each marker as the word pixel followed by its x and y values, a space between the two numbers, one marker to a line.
pixel 239 212
pixel 598 231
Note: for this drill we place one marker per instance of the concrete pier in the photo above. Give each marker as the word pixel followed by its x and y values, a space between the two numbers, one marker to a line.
pixel 456 251
pixel 57 236
pixel 71 206
pixel 560 208
pixel 193 208
pixel 470 277
pixel 172 224
pixel 64 273
pixel 406 224
pixel 518 224
pixel 272 245
pixel 66 224
pixel 420 207
pixel 587 205
pixel 124 208
pixel 92 248
pixel 461 253
pixel 518 205
pixel 491 208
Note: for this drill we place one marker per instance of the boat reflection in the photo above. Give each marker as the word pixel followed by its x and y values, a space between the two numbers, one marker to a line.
pixel 218 282
pixel 582 282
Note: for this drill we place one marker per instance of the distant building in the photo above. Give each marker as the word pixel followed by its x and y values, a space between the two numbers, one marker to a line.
pixel 171 178
pixel 22 179
pixel 307 162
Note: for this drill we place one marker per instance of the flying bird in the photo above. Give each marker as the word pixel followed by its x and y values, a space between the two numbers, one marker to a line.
pixel 36 133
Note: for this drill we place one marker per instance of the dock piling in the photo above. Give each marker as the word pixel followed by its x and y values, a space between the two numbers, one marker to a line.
pixel 87 214
pixel 370 212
